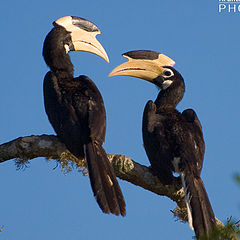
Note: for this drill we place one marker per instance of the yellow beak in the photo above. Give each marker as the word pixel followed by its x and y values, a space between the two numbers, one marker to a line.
pixel 147 69
pixel 83 34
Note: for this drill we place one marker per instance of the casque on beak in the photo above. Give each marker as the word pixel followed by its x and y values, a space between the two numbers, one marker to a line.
pixel 143 64
pixel 83 35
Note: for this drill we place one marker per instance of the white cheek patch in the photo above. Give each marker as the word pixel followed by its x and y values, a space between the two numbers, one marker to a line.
pixel 166 84
pixel 67 48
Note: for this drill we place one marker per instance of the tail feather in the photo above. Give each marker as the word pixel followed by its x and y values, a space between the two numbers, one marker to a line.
pixel 103 180
pixel 200 213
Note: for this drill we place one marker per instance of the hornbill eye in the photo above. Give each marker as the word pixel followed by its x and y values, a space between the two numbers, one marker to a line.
pixel 167 73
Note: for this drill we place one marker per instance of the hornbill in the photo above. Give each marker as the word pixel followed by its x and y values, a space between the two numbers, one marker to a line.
pixel 173 141
pixel 75 106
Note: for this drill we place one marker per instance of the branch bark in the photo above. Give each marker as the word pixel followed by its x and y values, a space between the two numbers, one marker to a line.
pixel 48 146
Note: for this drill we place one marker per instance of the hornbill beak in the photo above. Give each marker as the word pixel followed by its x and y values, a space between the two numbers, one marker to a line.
pixel 143 64
pixel 83 35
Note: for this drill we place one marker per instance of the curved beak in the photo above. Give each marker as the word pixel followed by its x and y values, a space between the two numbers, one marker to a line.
pixel 143 64
pixel 83 35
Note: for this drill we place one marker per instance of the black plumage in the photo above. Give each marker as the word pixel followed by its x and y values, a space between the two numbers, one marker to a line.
pixel 173 141
pixel 76 110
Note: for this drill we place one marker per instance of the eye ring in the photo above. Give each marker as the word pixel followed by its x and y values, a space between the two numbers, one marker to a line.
pixel 167 73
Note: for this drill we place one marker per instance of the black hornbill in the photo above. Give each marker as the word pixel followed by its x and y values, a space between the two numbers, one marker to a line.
pixel 173 141
pixel 75 106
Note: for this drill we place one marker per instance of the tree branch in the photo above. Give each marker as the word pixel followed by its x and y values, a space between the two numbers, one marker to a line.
pixel 48 146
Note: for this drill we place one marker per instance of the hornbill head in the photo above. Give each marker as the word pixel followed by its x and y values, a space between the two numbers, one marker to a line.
pixel 148 65
pixel 71 34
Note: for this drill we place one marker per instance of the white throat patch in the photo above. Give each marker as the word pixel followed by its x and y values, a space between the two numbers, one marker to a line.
pixel 166 84
pixel 67 48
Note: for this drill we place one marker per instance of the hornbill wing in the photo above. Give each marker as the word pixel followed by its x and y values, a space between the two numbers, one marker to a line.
pixel 102 177
pixel 89 109
pixel 156 144
pixel 68 112
pixel 79 119
pixel 62 116
pixel 196 137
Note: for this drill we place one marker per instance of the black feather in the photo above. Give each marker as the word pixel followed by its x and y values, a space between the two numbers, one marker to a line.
pixel 76 111
pixel 174 143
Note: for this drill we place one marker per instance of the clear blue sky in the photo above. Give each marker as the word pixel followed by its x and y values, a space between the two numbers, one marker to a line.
pixel 42 203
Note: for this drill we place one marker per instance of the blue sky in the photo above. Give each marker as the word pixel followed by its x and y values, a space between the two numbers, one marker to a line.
pixel 41 202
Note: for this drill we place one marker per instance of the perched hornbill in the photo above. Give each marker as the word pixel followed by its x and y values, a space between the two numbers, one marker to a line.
pixel 173 141
pixel 75 106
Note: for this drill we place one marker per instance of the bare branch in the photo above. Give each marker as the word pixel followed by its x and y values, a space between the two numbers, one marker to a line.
pixel 48 146
pixel 31 147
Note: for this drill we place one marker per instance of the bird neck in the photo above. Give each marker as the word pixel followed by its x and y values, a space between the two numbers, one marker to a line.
pixel 170 97
pixel 62 74
pixel 61 65
pixel 55 55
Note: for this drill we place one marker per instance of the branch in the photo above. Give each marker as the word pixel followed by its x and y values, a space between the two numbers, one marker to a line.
pixel 48 146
